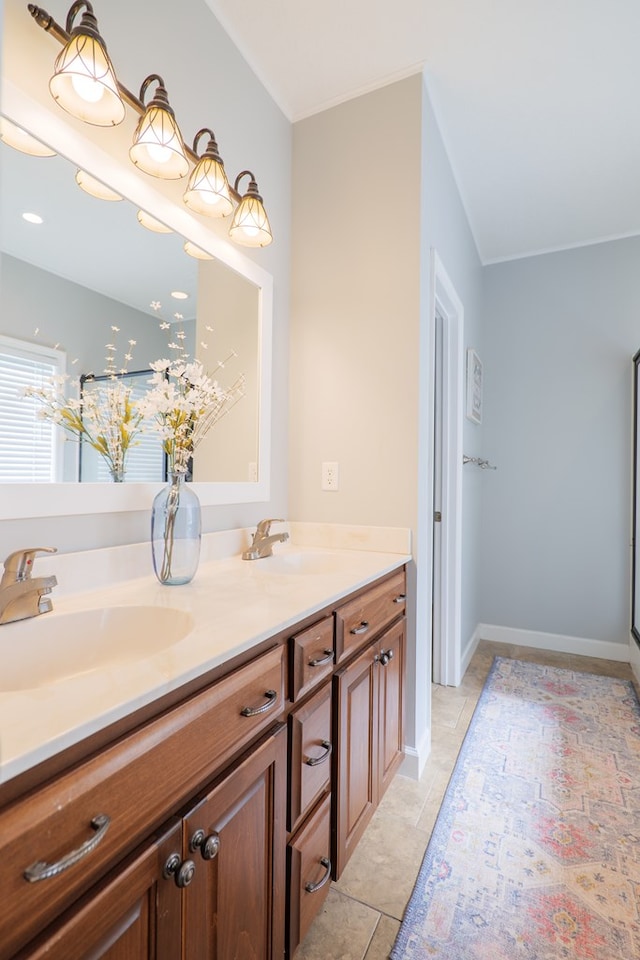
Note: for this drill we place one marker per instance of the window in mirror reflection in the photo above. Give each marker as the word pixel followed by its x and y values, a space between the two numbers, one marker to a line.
pixel 30 448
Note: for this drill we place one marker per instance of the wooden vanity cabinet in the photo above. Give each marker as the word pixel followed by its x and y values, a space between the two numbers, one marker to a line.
pixel 228 813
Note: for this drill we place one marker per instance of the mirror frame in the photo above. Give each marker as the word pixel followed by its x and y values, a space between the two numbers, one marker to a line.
pixel 67 499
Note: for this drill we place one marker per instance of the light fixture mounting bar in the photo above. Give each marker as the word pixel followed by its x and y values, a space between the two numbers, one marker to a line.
pixel 47 22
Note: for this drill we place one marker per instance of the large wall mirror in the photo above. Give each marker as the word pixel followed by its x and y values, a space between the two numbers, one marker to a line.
pixel 91 266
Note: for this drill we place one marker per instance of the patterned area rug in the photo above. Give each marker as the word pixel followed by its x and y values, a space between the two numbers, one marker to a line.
pixel 536 850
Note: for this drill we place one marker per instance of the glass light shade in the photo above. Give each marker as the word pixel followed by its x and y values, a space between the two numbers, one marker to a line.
pixel 157 226
pixel 20 140
pixel 208 189
pixel 157 145
pixel 94 187
pixel 84 82
pixel 196 252
pixel 250 226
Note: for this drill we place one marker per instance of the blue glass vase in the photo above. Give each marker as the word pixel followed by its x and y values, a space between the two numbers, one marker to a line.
pixel 175 532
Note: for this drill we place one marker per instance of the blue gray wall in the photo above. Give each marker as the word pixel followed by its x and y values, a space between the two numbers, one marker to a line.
pixel 560 331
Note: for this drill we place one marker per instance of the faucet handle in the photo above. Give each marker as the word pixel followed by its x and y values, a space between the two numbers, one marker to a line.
pixel 18 564
pixel 265 525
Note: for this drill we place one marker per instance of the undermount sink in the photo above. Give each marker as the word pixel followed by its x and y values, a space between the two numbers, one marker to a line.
pixel 56 646
pixel 297 563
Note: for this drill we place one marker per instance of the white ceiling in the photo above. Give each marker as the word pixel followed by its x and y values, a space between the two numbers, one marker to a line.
pixel 538 102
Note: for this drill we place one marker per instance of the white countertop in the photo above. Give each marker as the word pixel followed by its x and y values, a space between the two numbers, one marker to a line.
pixel 234 605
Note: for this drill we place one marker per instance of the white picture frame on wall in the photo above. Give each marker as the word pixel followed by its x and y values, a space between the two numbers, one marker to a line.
pixel 474 386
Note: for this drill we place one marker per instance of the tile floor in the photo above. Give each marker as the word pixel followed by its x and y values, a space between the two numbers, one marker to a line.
pixel 362 913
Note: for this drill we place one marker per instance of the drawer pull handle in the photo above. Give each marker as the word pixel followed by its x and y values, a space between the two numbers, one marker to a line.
pixel 364 626
pixel 400 598
pixel 328 657
pixel 314 761
pixel 182 871
pixel 312 887
pixel 385 657
pixel 272 699
pixel 43 871
pixel 209 846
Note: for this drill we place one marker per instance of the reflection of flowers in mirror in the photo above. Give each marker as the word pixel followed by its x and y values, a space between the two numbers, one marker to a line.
pixel 184 402
pixel 105 417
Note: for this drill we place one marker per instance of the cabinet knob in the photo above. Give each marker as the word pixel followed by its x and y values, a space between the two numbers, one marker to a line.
pixel 209 846
pixel 385 657
pixel 364 626
pixel 272 699
pixel 182 871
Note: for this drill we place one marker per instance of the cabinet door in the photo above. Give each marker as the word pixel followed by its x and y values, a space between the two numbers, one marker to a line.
pixel 134 914
pixel 390 704
pixel 234 909
pixel 355 750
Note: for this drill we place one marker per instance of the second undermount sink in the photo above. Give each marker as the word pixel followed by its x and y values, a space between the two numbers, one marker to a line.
pixel 56 646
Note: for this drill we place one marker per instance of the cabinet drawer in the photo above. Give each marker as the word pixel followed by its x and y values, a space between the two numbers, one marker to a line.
pixel 309 754
pixel 135 784
pixel 360 619
pixel 311 657
pixel 309 872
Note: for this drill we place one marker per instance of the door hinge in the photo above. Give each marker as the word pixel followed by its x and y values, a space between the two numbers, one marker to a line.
pixel 437 517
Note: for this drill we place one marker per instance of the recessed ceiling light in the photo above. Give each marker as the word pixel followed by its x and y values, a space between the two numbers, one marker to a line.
pixel 32 218
pixel 179 295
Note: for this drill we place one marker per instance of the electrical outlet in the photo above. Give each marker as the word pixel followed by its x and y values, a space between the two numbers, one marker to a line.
pixel 330 475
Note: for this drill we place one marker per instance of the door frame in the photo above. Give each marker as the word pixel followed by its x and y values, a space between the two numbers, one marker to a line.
pixel 446 666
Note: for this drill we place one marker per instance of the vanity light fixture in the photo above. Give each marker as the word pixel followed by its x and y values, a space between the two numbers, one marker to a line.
pixel 95 187
pixel 86 86
pixel 250 225
pixel 179 295
pixel 19 139
pixel 32 218
pixel 84 81
pixel 157 226
pixel 208 188
pixel 158 148
pixel 197 252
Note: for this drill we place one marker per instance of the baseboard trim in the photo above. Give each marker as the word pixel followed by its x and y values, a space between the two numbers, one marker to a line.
pixel 582 646
pixel 469 651
pixel 415 758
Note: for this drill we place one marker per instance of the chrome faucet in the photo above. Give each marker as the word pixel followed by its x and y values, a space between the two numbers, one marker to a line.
pixel 22 596
pixel 263 541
